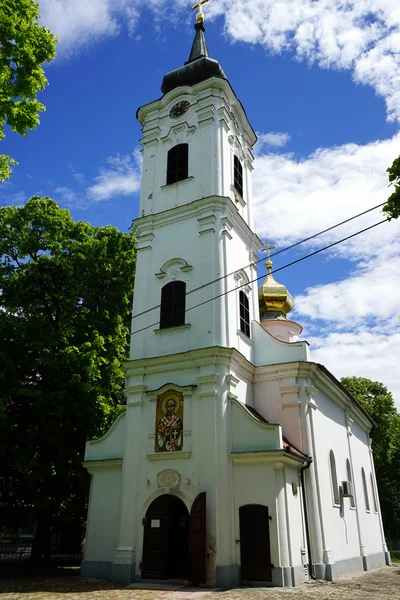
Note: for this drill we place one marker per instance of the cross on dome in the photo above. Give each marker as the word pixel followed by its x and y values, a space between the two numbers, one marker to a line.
pixel 200 14
pixel 268 249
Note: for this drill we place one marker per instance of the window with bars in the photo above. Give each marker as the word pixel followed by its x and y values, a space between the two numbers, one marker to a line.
pixel 178 163
pixel 238 175
pixel 173 305
pixel 244 314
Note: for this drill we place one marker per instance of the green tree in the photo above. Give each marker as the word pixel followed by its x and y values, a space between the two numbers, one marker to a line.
pixel 392 208
pixel 378 402
pixel 66 298
pixel 24 47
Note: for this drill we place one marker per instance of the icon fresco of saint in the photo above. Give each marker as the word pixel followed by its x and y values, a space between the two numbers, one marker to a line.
pixel 169 422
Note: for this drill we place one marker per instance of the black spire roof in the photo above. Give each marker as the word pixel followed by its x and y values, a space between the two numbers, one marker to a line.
pixel 198 68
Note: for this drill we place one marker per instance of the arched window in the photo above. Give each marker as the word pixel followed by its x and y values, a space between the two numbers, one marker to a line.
pixel 374 494
pixel 365 490
pixel 350 478
pixel 244 314
pixel 335 486
pixel 178 163
pixel 173 305
pixel 238 175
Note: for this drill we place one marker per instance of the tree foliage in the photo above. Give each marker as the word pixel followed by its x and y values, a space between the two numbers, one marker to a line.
pixel 24 47
pixel 66 299
pixel 392 208
pixel 378 402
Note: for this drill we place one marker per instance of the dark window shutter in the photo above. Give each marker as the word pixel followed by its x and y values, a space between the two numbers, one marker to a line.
pixel 244 314
pixel 173 305
pixel 238 175
pixel 178 163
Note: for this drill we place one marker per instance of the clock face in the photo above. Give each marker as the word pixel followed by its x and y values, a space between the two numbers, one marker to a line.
pixel 179 109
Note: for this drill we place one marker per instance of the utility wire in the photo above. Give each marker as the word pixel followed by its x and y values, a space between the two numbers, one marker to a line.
pixel 311 237
pixel 295 262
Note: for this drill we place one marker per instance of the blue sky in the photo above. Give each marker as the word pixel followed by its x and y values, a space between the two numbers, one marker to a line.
pixel 320 83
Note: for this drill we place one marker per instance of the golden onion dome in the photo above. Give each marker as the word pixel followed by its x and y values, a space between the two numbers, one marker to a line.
pixel 274 298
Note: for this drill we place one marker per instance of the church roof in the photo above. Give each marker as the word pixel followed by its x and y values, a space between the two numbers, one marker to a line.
pixel 198 68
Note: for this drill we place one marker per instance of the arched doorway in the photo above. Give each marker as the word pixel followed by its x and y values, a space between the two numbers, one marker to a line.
pixel 174 544
pixel 255 551
pixel 166 539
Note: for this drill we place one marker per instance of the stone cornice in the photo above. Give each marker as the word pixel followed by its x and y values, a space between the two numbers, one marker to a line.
pixel 108 463
pixel 152 114
pixel 193 358
pixel 267 456
pixel 144 227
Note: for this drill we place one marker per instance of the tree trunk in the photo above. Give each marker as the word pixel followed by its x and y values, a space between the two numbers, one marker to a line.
pixel 42 541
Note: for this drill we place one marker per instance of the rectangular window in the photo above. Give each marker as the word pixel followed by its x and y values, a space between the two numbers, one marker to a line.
pixel 178 163
pixel 244 314
pixel 238 176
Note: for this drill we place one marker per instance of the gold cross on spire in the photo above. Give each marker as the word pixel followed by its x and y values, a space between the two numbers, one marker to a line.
pixel 268 249
pixel 200 14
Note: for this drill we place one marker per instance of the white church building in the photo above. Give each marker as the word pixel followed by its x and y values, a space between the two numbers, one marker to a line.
pixel 237 459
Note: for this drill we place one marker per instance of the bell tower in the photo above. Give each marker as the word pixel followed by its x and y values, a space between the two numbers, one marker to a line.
pixel 194 232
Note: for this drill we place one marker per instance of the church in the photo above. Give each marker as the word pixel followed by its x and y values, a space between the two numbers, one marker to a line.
pixel 237 460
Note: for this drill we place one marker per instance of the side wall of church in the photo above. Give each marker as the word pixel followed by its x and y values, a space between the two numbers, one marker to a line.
pixel 341 531
pixel 103 522
pixel 370 519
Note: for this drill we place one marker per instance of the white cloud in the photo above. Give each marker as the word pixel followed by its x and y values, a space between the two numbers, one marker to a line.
pixel 271 139
pixel 78 23
pixel 362 36
pixel 352 323
pixel 14 199
pixel 294 198
pixel 70 198
pixel 120 178
pixel 362 353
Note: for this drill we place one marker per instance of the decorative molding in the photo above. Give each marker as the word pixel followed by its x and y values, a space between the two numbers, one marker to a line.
pixel 232 380
pixel 289 390
pixel 183 265
pixel 178 328
pixel 207 379
pixel 207 224
pixel 311 391
pixel 185 390
pixel 208 384
pixel 169 478
pixel 312 404
pixel 184 128
pixel 169 455
pixel 176 183
pixel 266 456
pixel 291 405
pixel 98 465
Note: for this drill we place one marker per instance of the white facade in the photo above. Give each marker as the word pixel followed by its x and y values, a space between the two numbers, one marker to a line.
pixel 259 420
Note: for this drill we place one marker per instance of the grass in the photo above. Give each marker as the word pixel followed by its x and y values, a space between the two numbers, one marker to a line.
pixel 395 554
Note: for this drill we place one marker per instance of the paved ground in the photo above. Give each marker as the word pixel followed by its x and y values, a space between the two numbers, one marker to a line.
pixel 380 584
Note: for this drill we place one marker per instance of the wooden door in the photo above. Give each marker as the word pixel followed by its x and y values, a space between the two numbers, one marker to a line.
pixel 155 542
pixel 255 551
pixel 197 541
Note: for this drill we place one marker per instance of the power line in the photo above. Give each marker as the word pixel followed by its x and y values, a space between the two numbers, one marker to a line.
pixel 349 237
pixel 311 237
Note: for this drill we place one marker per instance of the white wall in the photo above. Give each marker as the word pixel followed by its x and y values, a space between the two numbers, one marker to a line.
pixel 103 515
pixel 369 521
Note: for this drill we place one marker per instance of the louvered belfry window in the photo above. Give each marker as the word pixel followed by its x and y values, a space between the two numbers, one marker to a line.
pixel 244 314
pixel 173 305
pixel 238 175
pixel 178 163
